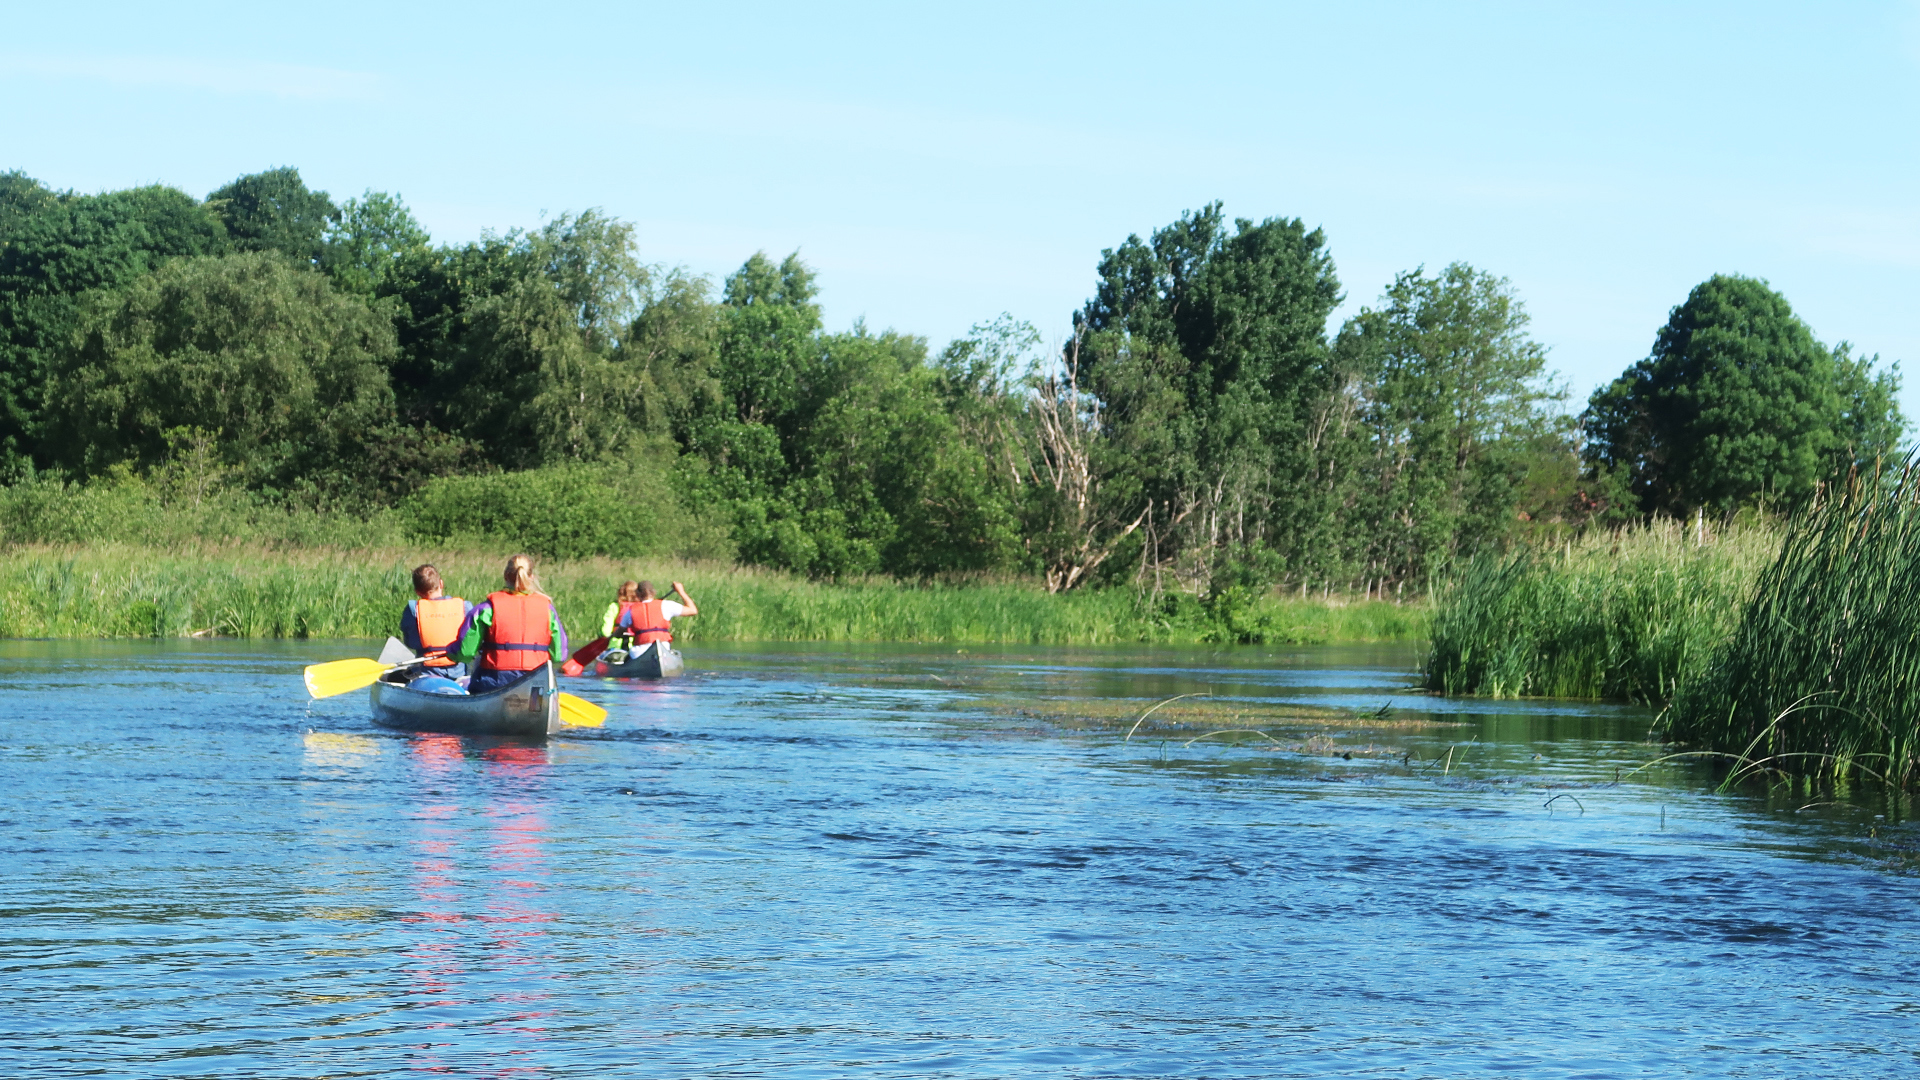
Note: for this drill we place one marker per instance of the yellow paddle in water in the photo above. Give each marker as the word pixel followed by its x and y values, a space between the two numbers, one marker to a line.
pixel 579 712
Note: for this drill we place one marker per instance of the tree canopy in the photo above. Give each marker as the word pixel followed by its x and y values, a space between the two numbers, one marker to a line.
pixel 1199 432
pixel 1737 403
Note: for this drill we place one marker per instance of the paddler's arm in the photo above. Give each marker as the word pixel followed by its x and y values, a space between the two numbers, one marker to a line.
pixel 685 600
pixel 606 624
pixel 472 632
pixel 558 650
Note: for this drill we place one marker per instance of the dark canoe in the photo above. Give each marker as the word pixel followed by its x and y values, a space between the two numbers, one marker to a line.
pixel 658 660
pixel 528 709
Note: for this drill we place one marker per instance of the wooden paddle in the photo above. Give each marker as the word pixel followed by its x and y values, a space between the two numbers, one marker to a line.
pixel 584 655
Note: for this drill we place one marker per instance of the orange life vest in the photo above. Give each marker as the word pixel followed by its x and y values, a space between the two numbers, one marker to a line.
pixel 521 637
pixel 645 621
pixel 439 623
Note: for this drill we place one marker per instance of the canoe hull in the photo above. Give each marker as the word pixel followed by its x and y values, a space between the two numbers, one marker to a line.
pixel 658 660
pixel 528 709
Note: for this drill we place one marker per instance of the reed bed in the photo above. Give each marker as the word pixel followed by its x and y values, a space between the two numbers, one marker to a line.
pixel 237 590
pixel 1821 675
pixel 1627 615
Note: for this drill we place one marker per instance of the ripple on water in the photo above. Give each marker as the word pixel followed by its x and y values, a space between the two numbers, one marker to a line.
pixel 806 860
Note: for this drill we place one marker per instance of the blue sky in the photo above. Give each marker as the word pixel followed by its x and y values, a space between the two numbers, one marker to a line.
pixel 941 164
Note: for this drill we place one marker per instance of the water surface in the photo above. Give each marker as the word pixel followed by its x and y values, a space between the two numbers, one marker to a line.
pixel 816 861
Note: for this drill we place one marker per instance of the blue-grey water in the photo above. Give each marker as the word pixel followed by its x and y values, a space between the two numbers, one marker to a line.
pixel 815 861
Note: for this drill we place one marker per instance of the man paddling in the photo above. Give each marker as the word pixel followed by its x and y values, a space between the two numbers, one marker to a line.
pixel 512 632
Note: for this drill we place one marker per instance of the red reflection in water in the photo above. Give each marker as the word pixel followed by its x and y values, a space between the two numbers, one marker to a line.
pixel 509 928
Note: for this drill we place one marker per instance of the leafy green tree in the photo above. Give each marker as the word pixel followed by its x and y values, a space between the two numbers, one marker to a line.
pixel 1206 348
pixel 275 211
pixel 674 342
pixel 288 373
pixel 528 359
pixel 366 247
pixel 1455 406
pixel 1738 403
pixel 55 247
pixel 21 197
pixel 766 340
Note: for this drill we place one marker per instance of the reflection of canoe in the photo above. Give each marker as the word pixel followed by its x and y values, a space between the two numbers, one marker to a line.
pixel 529 708
pixel 658 660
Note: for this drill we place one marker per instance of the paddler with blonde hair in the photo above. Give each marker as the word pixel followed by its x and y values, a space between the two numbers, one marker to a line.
pixel 638 616
pixel 511 632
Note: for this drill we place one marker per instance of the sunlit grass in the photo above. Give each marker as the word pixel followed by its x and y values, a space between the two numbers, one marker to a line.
pixel 1626 615
pixel 238 590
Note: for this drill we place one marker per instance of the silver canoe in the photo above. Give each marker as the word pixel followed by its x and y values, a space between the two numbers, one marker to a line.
pixel 657 660
pixel 528 709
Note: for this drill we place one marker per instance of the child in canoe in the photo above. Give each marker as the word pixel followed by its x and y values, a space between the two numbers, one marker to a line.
pixel 511 632
pixel 431 624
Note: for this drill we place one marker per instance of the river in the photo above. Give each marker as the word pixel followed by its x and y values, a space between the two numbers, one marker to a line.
pixel 888 861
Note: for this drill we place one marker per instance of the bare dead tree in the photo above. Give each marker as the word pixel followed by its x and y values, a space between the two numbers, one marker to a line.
pixel 1066 428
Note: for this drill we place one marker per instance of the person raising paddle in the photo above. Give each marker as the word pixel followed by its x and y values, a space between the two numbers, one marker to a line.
pixel 511 632
pixel 639 617
pixel 647 618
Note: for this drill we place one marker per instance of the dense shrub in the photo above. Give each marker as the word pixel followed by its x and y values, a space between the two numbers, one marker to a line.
pixel 568 511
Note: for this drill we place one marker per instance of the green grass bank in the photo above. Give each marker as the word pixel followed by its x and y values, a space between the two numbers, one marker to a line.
pixel 284 591
pixel 1627 615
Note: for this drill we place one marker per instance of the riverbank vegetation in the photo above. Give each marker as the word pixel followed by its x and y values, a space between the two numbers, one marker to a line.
pixel 1626 615
pixel 1196 428
pixel 243 590
pixel 1821 674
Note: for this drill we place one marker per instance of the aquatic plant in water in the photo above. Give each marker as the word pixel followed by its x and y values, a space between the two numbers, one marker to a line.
pixel 1625 615
pixel 1821 675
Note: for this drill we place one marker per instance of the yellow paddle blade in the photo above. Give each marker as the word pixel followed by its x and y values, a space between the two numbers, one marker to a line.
pixel 579 712
pixel 340 676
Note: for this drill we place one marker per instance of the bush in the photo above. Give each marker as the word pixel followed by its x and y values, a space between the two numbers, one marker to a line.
pixel 625 510
pixel 122 507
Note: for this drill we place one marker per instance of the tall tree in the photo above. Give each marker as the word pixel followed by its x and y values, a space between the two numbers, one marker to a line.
pixel 1455 404
pixel 525 350
pixel 367 245
pixel 55 247
pixel 284 373
pixel 1207 347
pixel 1738 402
pixel 275 211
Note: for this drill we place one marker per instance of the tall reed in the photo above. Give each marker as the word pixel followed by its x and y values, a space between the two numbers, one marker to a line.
pixel 239 590
pixel 1624 615
pixel 1822 674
